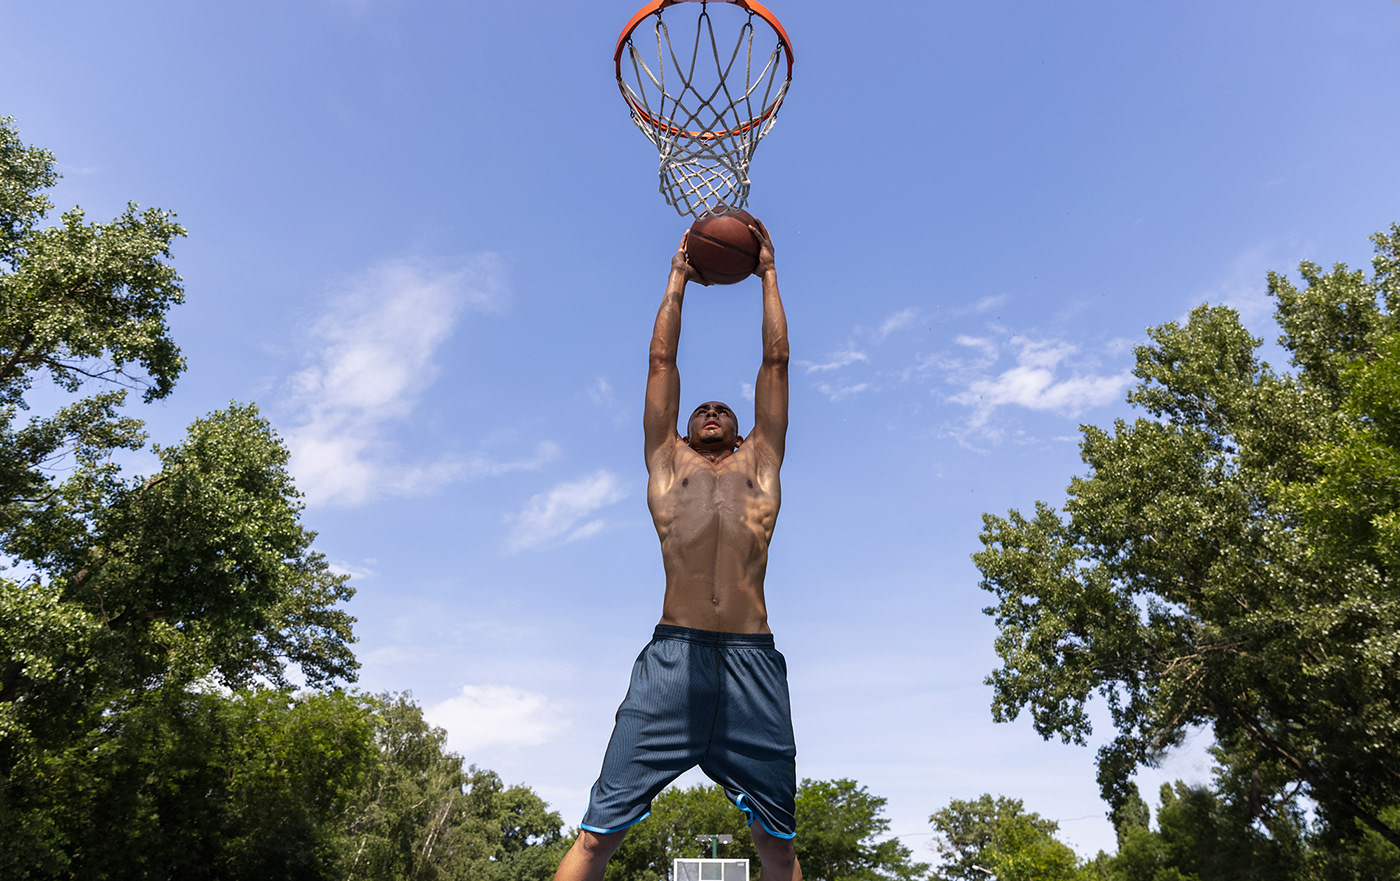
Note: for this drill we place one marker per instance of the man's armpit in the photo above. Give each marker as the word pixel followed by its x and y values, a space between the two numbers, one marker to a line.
pixel 662 462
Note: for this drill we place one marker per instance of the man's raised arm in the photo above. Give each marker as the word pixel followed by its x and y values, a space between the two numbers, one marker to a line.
pixel 663 402
pixel 770 395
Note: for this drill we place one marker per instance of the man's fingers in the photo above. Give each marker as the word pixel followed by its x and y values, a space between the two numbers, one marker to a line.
pixel 760 232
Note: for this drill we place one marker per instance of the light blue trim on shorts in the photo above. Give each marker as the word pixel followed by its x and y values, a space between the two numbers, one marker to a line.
pixel 595 829
pixel 753 815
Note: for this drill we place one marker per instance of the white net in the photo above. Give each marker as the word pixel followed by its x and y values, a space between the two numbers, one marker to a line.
pixel 704 105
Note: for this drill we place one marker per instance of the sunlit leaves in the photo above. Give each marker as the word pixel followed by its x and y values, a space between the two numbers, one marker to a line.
pixel 1231 560
pixel 996 838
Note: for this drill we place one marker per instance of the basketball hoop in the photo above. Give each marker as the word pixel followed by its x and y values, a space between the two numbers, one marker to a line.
pixel 705 122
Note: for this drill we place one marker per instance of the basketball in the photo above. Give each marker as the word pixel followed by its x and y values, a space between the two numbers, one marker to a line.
pixel 721 247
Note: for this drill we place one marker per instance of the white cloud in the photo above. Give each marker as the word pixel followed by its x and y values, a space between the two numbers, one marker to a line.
pixel 365 571
pixel 1033 384
pixel 556 514
pixel 496 715
pixel 837 392
pixel 601 393
pixel 987 347
pixel 484 466
pixel 376 354
pixel 898 321
pixel 838 360
pixel 1244 286
pixel 602 396
pixel 986 304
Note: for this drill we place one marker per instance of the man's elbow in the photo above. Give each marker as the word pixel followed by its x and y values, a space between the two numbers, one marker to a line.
pixel 775 354
pixel 661 355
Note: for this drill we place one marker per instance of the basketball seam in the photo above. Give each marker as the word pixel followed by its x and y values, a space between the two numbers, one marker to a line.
pixel 722 244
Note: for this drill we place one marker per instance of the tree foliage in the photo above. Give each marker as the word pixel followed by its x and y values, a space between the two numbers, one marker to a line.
pixel 267 783
pixel 196 784
pixel 1205 834
pixel 996 839
pixel 423 815
pixel 1230 560
pixel 80 300
pixel 201 569
pixel 121 594
pixel 1202 836
pixel 843 835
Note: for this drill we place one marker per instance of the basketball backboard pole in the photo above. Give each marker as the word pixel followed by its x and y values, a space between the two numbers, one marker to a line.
pixel 715 841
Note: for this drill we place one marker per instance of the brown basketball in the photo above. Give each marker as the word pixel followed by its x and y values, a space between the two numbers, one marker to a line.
pixel 721 247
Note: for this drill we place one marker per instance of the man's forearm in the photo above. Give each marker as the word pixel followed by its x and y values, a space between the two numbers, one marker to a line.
pixel 775 332
pixel 666 335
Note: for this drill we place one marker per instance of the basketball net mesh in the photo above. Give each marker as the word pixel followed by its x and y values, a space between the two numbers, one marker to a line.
pixel 705 132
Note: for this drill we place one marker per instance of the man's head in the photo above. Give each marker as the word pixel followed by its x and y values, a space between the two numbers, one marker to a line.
pixel 713 428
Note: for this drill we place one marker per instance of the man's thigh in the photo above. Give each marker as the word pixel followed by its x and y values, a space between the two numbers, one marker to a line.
pixel 753 754
pixel 663 729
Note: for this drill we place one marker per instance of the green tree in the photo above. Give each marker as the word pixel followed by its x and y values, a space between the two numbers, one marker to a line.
pixel 422 815
pixel 840 827
pixel 1201 836
pixel 201 569
pixel 149 587
pixel 991 839
pixel 531 835
pixel 1354 854
pixel 1131 812
pixel 1228 561
pixel 202 785
pixel 267 783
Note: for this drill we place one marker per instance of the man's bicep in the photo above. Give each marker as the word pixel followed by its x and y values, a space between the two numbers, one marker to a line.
pixel 661 408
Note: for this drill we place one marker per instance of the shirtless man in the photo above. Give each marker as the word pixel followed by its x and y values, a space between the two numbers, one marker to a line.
pixel 710 689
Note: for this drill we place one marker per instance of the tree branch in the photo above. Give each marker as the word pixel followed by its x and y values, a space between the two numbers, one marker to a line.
pixel 12 363
pixel 10 681
pixel 1317 782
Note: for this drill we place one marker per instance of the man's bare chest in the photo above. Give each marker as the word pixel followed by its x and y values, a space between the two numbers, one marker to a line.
pixel 703 485
pixel 704 496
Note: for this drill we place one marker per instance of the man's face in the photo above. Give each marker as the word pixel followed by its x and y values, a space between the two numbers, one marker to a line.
pixel 713 427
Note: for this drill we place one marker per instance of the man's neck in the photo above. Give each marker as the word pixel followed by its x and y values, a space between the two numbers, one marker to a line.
pixel 715 456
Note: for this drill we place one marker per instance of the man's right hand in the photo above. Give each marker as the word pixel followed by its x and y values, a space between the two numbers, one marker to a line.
pixel 679 264
pixel 765 247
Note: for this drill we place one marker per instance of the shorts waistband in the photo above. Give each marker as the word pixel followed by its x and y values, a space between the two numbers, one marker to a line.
pixel 713 637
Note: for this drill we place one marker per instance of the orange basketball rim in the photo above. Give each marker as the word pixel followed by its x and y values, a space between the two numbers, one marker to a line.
pixel 655 7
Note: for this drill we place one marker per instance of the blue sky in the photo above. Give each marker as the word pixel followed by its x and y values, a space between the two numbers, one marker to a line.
pixel 425 238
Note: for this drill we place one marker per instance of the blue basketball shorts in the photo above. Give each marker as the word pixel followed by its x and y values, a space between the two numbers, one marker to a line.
pixel 717 700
